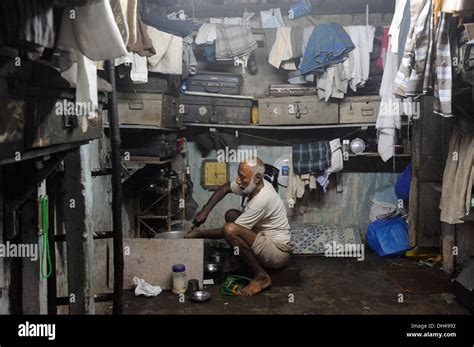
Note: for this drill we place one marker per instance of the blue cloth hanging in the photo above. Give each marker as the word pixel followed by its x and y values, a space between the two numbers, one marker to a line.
pixel 328 44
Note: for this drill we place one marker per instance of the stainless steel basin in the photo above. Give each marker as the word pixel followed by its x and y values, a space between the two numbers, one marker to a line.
pixel 177 234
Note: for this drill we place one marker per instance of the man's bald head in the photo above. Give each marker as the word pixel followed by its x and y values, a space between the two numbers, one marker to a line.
pixel 255 165
pixel 250 174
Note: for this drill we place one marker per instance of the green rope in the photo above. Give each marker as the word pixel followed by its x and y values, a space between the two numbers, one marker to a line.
pixel 45 251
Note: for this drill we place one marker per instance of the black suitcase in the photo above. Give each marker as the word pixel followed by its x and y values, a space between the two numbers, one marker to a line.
pixel 157 83
pixel 215 82
pixel 204 109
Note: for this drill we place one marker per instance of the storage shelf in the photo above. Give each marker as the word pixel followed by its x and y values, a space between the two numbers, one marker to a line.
pixel 41 152
pixel 282 127
pixel 143 127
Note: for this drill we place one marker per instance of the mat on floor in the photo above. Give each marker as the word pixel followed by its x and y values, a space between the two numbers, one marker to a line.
pixel 419 281
pixel 311 238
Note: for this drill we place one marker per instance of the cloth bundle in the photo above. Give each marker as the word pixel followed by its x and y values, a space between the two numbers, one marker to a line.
pixel 233 41
pixel 311 157
pixel 458 178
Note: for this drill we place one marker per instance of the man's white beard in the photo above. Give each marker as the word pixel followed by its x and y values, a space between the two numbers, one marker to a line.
pixel 250 188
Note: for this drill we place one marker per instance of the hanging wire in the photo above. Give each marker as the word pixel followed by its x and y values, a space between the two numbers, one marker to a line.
pixel 283 142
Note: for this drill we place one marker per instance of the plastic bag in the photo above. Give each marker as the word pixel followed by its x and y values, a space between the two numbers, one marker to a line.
pixel 233 284
pixel 382 210
pixel 337 162
pixel 144 288
pixel 402 187
pixel 272 18
pixel 388 236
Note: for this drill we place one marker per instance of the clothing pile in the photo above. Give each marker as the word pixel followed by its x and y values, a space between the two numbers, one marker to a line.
pixel 338 56
pixel 155 43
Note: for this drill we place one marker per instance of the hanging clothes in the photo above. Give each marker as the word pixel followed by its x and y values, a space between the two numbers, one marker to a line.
pixel 394 30
pixel 329 44
pixel 234 42
pixel 458 178
pixel 443 71
pixel 362 37
pixel 333 82
pixel 143 45
pixel 383 49
pixel 311 157
pixel 81 47
pixel 189 59
pixel 206 35
pixel 388 118
pixel 282 51
pixel 414 75
pixel 458 7
pixel 169 52
pixel 27 25
pixel 403 34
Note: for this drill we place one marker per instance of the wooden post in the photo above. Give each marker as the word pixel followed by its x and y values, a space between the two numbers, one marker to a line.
pixel 79 236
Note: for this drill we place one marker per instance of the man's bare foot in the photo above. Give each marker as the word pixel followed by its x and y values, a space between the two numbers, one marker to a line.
pixel 257 285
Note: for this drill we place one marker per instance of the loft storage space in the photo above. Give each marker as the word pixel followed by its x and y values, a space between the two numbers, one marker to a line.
pixel 259 157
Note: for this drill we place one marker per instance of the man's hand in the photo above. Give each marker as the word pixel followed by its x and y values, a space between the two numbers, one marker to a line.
pixel 191 234
pixel 200 218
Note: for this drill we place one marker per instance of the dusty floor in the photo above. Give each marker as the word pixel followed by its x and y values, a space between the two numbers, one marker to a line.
pixel 326 286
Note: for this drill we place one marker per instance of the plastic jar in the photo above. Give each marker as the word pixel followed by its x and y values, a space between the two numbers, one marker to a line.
pixel 179 279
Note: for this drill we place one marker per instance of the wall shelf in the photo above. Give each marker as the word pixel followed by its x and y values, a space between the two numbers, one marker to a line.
pixel 283 127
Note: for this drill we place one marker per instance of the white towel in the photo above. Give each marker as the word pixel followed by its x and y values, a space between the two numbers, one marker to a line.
pixel 169 52
pixel 139 72
pixel 81 46
pixel 282 50
pixel 206 35
pixel 359 59
pixel 388 118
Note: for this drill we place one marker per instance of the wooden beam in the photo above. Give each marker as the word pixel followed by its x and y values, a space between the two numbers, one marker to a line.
pixel 236 8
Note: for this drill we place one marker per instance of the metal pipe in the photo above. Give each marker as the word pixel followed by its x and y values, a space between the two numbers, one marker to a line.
pixel 116 190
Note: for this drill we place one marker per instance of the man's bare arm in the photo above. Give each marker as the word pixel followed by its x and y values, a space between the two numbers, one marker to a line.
pixel 218 195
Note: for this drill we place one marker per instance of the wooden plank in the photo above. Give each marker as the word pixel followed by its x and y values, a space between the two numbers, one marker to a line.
pixel 429 224
pixel 236 8
pixel 414 195
pixel 152 260
pixel 78 236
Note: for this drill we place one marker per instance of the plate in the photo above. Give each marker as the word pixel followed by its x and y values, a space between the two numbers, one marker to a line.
pixel 200 296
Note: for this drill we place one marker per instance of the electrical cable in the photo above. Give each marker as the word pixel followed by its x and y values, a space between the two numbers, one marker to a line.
pixel 45 249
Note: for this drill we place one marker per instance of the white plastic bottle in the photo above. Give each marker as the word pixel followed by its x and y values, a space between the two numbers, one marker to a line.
pixel 179 279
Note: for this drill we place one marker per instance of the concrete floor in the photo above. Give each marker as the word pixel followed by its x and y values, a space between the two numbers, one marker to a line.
pixel 327 286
